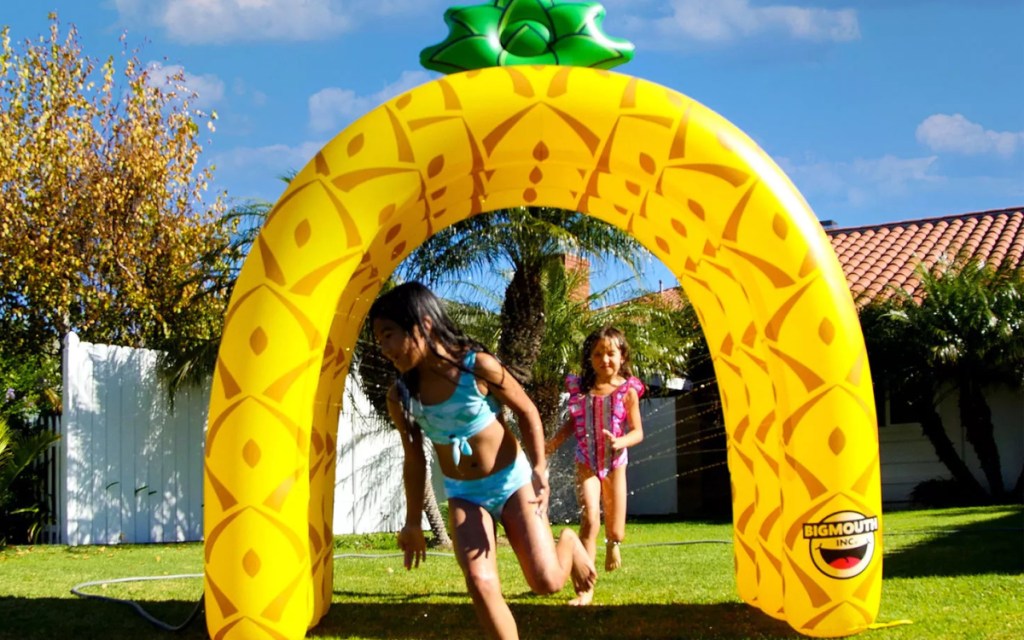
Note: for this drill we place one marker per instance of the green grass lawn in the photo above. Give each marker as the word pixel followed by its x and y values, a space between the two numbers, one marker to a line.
pixel 955 573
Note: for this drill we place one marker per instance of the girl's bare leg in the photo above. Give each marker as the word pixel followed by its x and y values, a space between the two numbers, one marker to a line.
pixel 476 550
pixel 546 565
pixel 588 493
pixel 613 492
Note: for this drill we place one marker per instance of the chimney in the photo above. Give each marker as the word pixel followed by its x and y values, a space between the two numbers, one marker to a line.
pixel 581 266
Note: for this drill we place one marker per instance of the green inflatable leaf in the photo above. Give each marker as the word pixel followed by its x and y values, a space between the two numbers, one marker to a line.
pixel 510 32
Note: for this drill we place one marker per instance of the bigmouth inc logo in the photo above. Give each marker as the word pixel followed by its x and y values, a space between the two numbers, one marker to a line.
pixel 842 544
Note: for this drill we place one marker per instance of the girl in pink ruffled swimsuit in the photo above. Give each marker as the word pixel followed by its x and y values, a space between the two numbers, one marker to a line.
pixel 604 415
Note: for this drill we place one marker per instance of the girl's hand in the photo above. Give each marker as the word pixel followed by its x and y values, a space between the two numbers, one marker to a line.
pixel 413 545
pixel 540 487
pixel 614 442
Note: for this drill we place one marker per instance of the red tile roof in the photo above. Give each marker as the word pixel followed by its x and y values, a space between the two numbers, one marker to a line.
pixel 673 296
pixel 877 257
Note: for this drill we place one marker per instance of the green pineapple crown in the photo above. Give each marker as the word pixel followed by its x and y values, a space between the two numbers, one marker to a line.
pixel 516 32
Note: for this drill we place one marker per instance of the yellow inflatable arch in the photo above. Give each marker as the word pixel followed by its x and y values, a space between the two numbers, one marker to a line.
pixel 772 299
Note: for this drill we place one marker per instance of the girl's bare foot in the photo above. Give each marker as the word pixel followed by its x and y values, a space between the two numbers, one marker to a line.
pixel 582 599
pixel 584 575
pixel 612 558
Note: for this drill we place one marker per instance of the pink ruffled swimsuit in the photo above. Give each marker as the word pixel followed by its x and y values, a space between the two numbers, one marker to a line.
pixel 592 415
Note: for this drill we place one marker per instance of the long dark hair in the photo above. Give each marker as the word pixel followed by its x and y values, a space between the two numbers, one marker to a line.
pixel 588 377
pixel 407 305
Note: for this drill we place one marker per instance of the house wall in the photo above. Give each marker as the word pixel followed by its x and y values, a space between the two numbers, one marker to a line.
pixel 1008 416
pixel 908 458
pixel 652 474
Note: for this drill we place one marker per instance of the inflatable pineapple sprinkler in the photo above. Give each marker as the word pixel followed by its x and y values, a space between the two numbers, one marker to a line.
pixel 562 132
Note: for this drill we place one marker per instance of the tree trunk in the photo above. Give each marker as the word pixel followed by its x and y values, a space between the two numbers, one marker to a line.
pixel 548 398
pixel 435 518
pixel 976 417
pixel 430 507
pixel 935 431
pixel 522 322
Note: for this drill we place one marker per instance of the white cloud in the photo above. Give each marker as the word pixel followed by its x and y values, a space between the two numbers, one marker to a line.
pixel 129 9
pixel 274 160
pixel 331 108
pixel 209 88
pixel 333 105
pixel 956 134
pixel 256 173
pixel 863 181
pixel 728 21
pixel 253 170
pixel 893 175
pixel 223 21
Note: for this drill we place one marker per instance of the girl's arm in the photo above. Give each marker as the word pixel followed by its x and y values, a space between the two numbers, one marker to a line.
pixel 510 393
pixel 636 428
pixel 414 476
pixel 556 440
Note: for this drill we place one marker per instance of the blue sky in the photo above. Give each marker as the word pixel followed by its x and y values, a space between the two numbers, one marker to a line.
pixel 878 110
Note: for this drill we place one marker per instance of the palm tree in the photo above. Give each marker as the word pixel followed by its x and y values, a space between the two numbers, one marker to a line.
pixel 965 334
pixel 900 366
pixel 971 315
pixel 532 242
pixel 18 450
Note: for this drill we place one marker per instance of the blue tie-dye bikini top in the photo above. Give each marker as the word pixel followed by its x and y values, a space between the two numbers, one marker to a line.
pixel 466 413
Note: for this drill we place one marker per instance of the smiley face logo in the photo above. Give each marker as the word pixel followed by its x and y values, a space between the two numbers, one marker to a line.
pixel 842 544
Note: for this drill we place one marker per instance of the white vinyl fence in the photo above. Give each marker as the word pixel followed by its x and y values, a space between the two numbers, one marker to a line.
pixel 130 467
pixel 133 466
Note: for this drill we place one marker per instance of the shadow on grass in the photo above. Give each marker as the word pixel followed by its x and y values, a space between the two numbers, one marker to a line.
pixel 990 546
pixel 59 618
pixel 553 622
pixel 53 618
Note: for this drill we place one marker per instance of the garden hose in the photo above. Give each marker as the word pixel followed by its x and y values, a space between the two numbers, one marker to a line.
pixel 135 605
pixel 160 624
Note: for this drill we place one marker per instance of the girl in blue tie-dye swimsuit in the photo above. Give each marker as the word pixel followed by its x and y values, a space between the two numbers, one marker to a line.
pixel 604 415
pixel 452 391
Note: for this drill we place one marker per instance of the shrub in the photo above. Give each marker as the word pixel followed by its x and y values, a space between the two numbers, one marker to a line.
pixel 940 493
